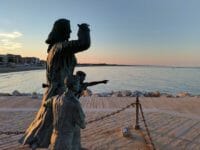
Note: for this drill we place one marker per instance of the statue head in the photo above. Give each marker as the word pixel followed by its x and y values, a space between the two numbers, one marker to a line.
pixel 72 83
pixel 60 32
pixel 81 75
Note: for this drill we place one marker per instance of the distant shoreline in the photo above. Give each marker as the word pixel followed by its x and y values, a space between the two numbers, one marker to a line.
pixel 4 69
pixel 20 68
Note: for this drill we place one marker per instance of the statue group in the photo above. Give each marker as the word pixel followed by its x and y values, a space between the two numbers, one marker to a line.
pixel 60 116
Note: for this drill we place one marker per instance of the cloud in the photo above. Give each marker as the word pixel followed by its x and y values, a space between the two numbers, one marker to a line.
pixel 12 35
pixel 8 41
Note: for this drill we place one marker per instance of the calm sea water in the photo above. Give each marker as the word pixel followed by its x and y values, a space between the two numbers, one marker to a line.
pixel 170 80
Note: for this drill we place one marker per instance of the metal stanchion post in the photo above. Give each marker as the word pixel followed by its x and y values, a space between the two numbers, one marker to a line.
pixel 137 126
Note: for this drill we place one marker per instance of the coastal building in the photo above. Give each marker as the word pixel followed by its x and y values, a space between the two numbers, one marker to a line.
pixel 42 62
pixel 3 59
pixel 31 60
pixel 14 58
pixel 18 59
pixel 10 58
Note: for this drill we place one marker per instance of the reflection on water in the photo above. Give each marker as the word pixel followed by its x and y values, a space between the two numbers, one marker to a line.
pixel 170 80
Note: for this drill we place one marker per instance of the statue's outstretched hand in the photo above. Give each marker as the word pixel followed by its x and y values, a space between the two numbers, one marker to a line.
pixel 105 81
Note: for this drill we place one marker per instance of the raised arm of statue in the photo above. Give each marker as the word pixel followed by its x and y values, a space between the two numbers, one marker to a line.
pixel 83 42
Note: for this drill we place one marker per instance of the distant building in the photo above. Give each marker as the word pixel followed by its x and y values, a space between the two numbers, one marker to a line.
pixel 17 59
pixel 14 58
pixel 3 59
pixel 31 60
pixel 42 62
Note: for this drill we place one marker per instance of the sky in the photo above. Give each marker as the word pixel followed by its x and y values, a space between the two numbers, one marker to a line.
pixel 138 32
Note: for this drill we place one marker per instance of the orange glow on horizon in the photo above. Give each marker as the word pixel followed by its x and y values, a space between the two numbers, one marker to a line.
pixel 92 56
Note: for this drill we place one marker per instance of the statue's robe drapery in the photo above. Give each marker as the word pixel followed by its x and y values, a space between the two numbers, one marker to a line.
pixel 60 64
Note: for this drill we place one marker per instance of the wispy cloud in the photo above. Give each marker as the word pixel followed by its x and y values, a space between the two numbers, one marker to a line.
pixel 12 35
pixel 8 41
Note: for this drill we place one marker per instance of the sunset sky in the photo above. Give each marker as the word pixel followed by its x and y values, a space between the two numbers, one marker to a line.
pixel 154 32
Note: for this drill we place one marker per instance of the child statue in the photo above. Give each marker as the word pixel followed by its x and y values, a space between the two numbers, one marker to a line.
pixel 84 85
pixel 68 117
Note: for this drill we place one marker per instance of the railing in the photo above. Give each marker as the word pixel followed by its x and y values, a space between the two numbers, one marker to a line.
pixel 139 110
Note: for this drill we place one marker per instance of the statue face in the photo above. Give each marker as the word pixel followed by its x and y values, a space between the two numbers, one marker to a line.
pixel 68 31
pixel 76 85
pixel 68 36
pixel 72 83
pixel 82 78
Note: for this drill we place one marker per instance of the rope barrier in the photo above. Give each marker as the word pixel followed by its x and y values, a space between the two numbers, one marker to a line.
pixel 146 127
pixel 88 122
pixel 111 114
pixel 137 127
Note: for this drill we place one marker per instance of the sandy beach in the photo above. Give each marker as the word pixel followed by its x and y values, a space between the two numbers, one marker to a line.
pixel 174 123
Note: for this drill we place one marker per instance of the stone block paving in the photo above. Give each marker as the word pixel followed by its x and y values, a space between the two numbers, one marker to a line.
pixel 168 131
pixel 174 132
pixel 105 134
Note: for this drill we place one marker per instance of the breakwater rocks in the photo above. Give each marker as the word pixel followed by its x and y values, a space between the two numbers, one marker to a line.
pixel 124 93
pixel 129 93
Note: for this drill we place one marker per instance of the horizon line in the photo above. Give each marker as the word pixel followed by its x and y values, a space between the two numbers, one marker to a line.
pixel 137 65
pixel 116 64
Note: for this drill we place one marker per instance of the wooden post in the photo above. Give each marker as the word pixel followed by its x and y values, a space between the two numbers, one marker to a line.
pixel 137 126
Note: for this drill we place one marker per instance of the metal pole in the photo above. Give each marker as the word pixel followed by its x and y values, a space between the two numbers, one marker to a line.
pixel 137 126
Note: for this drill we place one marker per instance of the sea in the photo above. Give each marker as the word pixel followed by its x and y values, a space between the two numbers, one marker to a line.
pixel 170 80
